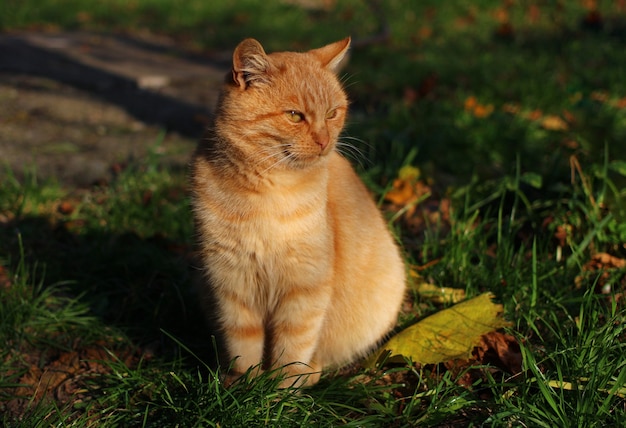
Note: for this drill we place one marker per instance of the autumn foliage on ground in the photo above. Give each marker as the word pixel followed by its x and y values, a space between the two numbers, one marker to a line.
pixel 493 135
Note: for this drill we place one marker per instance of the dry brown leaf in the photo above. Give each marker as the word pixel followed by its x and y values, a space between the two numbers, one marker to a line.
pixel 608 261
pixel 5 280
pixel 602 268
pixel 62 377
pixel 534 115
pixel 500 350
pixel 66 208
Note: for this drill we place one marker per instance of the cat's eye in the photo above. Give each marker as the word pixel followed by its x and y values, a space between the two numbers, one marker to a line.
pixel 331 114
pixel 294 116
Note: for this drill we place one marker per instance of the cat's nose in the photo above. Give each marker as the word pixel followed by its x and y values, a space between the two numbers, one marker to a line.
pixel 322 139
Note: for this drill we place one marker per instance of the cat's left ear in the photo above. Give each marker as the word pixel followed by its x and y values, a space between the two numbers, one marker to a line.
pixel 332 55
pixel 250 64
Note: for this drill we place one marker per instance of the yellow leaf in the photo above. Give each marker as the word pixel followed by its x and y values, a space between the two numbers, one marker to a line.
pixel 409 173
pixel 404 187
pixel 433 292
pixel 438 294
pixel 447 335
pixel 554 123
pixel 401 194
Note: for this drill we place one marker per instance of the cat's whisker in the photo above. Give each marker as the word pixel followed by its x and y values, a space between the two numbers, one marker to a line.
pixel 282 159
pixel 272 166
pixel 345 80
pixel 351 151
pixel 268 153
pixel 261 161
pixel 358 140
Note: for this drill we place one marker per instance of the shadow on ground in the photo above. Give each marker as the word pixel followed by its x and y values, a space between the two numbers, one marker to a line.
pixel 76 103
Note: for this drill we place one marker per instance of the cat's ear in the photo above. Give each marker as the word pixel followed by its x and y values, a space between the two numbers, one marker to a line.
pixel 250 64
pixel 332 55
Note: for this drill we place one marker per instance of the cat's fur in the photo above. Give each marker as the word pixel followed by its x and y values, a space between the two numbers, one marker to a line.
pixel 299 265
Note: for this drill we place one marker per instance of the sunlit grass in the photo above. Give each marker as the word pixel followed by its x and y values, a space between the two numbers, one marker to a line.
pixel 522 132
pixel 571 339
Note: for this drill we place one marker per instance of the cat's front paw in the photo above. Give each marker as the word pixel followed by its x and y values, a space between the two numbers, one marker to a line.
pixel 299 375
pixel 233 376
pixel 227 380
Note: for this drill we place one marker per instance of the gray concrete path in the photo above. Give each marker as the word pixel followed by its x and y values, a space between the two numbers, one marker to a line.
pixel 72 105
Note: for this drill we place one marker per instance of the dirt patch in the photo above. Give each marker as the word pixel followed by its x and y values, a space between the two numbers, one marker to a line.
pixel 73 104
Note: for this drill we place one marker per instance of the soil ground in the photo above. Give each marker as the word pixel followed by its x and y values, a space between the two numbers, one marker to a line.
pixel 74 104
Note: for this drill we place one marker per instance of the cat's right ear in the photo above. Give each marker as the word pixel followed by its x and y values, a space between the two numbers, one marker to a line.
pixel 250 64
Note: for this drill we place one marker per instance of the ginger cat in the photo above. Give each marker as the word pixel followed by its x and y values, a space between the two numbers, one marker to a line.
pixel 299 265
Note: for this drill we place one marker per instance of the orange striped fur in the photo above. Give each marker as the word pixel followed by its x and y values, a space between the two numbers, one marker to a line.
pixel 299 265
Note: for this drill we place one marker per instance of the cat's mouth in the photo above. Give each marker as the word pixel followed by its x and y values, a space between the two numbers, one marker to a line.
pixel 301 158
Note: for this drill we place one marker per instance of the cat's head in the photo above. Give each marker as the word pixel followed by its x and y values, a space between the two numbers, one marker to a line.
pixel 286 109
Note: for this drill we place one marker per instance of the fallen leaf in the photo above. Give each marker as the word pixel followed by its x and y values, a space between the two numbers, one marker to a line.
pixel 534 13
pixel 470 103
pixel 568 116
pixel 500 350
pixel 401 194
pixel 554 123
pixel 407 188
pixel 66 208
pixel 463 22
pixel 600 96
pixel 581 385
pixel 590 4
pixel 63 377
pixel 433 292
pixel 409 173
pixel 511 108
pixel 447 335
pixel 606 272
pixel 83 18
pixel 609 261
pixel 534 115
pixel 425 32
pixel 5 280
pixel 501 14
pixel 479 110
pixel 482 111
pixel 563 232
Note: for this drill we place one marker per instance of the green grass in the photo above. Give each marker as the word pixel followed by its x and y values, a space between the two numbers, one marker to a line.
pixel 99 280
pixel 569 336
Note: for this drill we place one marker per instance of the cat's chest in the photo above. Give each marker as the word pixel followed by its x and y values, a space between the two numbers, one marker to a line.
pixel 272 220
pixel 283 239
pixel 280 219
pixel 285 222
